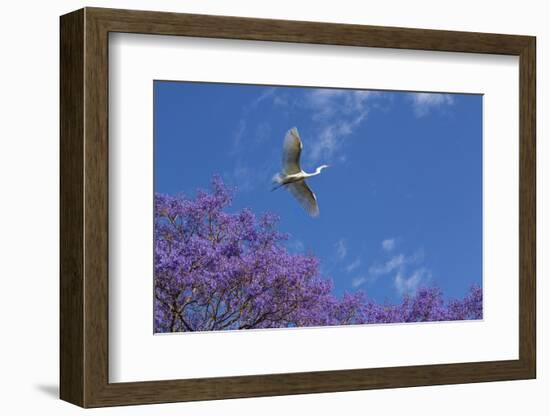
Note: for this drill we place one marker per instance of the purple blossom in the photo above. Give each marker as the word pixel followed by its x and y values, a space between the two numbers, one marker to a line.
pixel 216 270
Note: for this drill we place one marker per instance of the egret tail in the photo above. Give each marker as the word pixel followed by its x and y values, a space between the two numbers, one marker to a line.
pixel 277 181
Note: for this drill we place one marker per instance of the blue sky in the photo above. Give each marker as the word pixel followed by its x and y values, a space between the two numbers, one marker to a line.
pixel 400 205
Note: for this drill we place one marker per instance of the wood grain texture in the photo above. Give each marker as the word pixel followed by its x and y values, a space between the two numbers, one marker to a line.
pixel 84 207
pixel 71 213
pixel 96 208
pixel 226 27
pixel 527 208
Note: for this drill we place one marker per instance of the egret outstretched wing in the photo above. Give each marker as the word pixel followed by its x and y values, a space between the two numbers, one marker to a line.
pixel 292 148
pixel 305 197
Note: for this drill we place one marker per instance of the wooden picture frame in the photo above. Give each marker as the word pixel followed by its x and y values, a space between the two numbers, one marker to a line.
pixel 84 207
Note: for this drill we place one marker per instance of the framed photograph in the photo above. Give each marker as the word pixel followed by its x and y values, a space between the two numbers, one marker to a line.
pixel 254 207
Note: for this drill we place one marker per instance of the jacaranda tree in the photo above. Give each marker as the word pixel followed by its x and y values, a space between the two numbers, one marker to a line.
pixel 216 270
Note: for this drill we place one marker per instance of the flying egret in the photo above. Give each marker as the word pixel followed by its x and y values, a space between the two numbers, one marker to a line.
pixel 293 177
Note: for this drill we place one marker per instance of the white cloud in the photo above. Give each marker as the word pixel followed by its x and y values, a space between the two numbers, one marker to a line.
pixel 358 281
pixel 262 130
pixel 248 177
pixel 269 93
pixel 242 176
pixel 389 266
pixel 424 102
pixel 388 244
pixel 323 101
pixel 341 249
pixel 406 285
pixel 238 135
pixel 338 113
pixel 280 101
pixel 296 245
pixel 353 265
pixel 399 266
pixel 331 138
